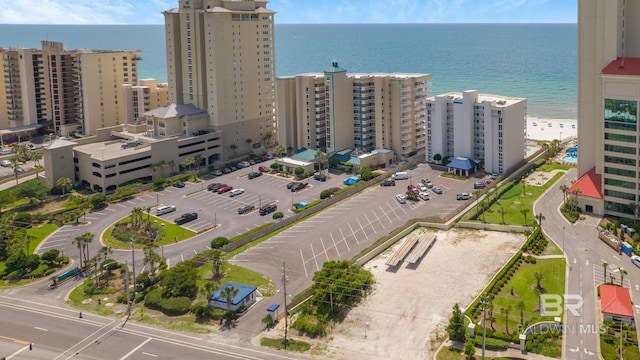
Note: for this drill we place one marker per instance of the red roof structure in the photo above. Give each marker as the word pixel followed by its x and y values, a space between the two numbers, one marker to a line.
pixel 623 66
pixel 615 300
pixel 589 184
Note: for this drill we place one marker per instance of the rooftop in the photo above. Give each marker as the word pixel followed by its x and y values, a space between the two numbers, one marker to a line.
pixel 623 66
pixel 615 300
pixel 588 185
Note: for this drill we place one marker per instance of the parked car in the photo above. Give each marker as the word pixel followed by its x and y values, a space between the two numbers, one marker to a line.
pixel 424 195
pixel 233 168
pixel 226 170
pixel 255 174
pixel 185 218
pixel 263 169
pixel 5 163
pixel 401 198
pixel 463 196
pixel 236 192
pixel 267 209
pixel 421 187
pixel 179 184
pixel 479 185
pixel 252 162
pixel 427 183
pixel 243 164
pixel 165 209
pixel 224 189
pixel 320 177
pixel 437 190
pixel 351 180
pixel 298 186
pixel 245 209
pixel 217 173
pixel 494 176
pixel 413 188
pixel 635 259
pixel 215 186
pixel 388 182
pixel 290 185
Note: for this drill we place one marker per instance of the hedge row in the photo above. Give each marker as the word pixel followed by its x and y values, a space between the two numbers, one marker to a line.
pixel 169 306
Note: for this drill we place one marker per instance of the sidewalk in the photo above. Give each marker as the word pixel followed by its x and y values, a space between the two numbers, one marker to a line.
pixel 10 182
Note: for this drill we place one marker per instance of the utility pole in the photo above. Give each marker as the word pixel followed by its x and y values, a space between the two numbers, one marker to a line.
pixel 126 286
pixel 286 313
pixel 133 268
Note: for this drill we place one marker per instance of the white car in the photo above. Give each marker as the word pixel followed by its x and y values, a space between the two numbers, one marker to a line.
pixel 236 192
pixel 5 163
pixel 244 164
pixel 422 187
pixel 401 198
pixel 424 196
pixel 635 259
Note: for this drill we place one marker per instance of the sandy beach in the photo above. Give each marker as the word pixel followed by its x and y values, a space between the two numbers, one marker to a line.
pixel 551 129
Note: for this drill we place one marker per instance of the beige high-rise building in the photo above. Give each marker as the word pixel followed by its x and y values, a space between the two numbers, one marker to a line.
pixel 221 59
pixel 138 99
pixel 608 96
pixel 76 91
pixel 334 110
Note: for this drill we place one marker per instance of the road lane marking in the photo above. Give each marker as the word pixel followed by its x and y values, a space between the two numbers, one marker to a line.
pixel 335 245
pixel 325 249
pixel 313 253
pixel 149 354
pixel 17 341
pixel 135 349
pixel 39 328
pixel 353 233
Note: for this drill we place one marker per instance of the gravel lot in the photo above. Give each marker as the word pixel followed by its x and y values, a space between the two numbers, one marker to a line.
pixel 410 306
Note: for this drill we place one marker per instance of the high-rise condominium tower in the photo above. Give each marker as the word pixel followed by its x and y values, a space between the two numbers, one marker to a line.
pixel 221 59
pixel 608 96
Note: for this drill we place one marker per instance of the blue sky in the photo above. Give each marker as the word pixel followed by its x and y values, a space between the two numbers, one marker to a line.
pixel 300 11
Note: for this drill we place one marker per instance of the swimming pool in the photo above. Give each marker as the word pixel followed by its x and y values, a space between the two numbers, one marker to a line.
pixel 570 159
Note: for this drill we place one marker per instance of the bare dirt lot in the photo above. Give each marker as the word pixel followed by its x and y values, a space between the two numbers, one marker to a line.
pixel 406 315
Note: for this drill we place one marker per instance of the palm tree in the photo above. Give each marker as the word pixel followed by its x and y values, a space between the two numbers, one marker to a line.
pixel 63 184
pixel 524 185
pixel 78 242
pixel 540 217
pixel 136 215
pixel 197 160
pixel 15 165
pixel 151 258
pixel 172 165
pixel 280 150
pixel 187 163
pixel 564 189
pixel 538 275
pixel 476 194
pixel 155 168
pixel 228 294
pixel 520 306
pixel 321 159
pixel 576 192
pixel 502 213
pixel 217 263
pixel 605 265
pixel 491 317
pixel 524 213
pixel 163 165
pixel 87 238
pixel 623 272
pixel 36 157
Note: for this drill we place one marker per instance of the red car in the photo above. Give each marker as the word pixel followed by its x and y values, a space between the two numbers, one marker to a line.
pixel 224 189
pixel 263 169
pixel 413 189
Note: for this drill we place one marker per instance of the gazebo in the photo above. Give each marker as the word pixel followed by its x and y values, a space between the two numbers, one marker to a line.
pixel 462 166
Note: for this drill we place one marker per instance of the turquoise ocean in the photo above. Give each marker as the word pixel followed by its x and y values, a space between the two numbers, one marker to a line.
pixel 535 61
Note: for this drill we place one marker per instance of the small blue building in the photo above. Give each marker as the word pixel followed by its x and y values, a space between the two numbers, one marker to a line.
pixel 246 296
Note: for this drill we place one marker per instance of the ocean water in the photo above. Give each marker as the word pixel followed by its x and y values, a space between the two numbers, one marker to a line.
pixel 535 61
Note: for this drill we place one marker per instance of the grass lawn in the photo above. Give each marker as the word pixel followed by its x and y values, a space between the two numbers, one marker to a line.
pixel 172 233
pixel 513 202
pixel 39 234
pixel 551 249
pixel 523 283
pixel 240 275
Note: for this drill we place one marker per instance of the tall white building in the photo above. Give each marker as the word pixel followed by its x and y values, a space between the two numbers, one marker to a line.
pixel 489 129
pixel 608 96
pixel 221 59
pixel 335 110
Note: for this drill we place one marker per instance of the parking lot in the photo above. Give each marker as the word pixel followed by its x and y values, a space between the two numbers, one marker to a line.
pixel 343 230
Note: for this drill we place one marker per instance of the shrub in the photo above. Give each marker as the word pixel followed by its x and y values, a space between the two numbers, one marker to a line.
pixel 310 325
pixel 153 299
pixel 219 242
pixel 278 215
pixel 325 194
pixel 176 305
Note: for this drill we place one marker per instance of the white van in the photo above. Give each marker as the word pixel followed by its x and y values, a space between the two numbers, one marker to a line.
pixel 165 209
pixel 401 175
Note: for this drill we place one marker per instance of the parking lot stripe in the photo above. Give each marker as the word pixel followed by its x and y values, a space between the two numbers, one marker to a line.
pixel 362 229
pixel 344 239
pixel 313 253
pixel 385 214
pixel 353 233
pixel 369 223
pixel 303 265
pixel 325 249
pixel 335 245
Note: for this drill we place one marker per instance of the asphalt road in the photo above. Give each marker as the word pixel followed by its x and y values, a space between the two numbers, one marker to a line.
pixel 35 331
pixel 585 254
